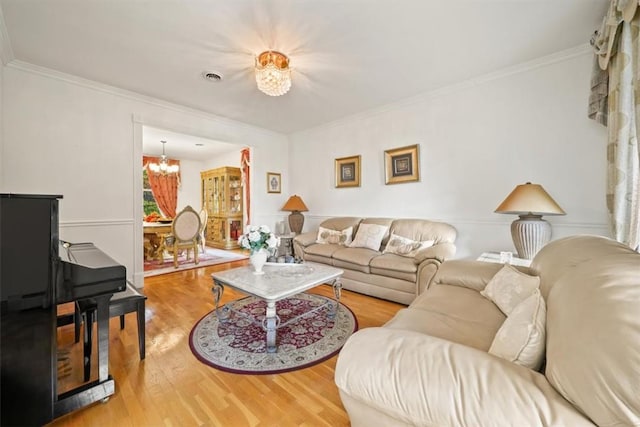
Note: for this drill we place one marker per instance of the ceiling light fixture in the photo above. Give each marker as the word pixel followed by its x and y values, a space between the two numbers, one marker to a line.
pixel 273 74
pixel 164 167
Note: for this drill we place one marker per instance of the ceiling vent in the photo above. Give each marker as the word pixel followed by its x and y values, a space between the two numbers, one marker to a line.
pixel 212 76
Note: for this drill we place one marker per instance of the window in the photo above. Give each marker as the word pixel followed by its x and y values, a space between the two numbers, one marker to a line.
pixel 148 201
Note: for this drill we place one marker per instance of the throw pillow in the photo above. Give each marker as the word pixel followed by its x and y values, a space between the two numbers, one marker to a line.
pixel 369 236
pixel 327 235
pixel 521 338
pixel 404 246
pixel 509 287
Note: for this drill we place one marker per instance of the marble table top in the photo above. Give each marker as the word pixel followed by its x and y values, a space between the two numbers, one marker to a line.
pixel 278 281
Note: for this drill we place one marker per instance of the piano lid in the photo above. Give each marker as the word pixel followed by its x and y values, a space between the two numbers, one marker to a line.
pixel 86 271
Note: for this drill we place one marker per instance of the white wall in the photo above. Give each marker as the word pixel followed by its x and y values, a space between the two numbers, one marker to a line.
pixel 231 158
pixel 189 190
pixel 65 135
pixel 478 140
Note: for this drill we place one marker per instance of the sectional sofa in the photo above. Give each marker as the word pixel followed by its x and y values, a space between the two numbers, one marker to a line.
pixel 382 257
pixel 556 344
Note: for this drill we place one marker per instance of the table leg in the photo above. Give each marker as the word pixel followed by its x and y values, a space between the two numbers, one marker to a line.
pixel 218 290
pixel 337 292
pixel 270 323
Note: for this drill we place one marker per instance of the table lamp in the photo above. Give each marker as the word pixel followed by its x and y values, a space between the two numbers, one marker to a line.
pixel 295 205
pixel 530 232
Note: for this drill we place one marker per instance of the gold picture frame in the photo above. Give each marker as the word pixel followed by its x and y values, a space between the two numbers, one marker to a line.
pixel 348 172
pixel 274 182
pixel 402 165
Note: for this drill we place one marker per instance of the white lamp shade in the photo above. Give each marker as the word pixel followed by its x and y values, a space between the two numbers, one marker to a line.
pixel 529 199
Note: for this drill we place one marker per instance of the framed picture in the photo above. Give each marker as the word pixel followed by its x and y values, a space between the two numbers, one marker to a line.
pixel 274 182
pixel 348 172
pixel 401 165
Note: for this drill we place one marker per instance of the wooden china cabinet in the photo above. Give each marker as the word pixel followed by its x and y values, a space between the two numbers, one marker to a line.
pixel 222 198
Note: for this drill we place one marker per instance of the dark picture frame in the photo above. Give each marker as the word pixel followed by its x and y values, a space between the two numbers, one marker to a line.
pixel 402 165
pixel 347 172
pixel 274 182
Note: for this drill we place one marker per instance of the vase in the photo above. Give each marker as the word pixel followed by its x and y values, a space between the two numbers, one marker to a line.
pixel 257 260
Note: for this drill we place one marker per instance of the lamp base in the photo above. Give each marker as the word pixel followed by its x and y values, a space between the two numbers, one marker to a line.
pixel 296 221
pixel 530 233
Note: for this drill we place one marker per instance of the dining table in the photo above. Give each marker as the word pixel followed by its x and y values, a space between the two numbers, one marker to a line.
pixel 154 237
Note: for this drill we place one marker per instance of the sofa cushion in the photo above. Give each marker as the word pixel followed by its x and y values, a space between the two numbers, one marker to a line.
pixel 324 250
pixel 521 338
pixel 341 223
pixel 404 246
pixel 327 235
pixel 593 334
pixel 354 258
pixel 369 236
pixel 562 256
pixel 509 287
pixel 380 221
pixel 396 266
pixel 453 313
pixel 423 229
pixel 404 378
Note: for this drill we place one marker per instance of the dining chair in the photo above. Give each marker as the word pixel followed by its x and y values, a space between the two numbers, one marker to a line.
pixel 203 225
pixel 185 232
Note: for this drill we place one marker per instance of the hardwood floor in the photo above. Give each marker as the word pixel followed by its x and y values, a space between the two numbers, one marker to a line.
pixel 172 388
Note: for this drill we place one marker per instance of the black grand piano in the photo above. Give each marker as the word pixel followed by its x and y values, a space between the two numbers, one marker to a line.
pixel 38 272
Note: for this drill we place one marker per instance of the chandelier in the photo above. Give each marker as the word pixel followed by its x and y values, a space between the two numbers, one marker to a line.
pixel 164 167
pixel 273 74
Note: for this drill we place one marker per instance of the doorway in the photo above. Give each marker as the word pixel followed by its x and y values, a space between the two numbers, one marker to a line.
pixel 194 153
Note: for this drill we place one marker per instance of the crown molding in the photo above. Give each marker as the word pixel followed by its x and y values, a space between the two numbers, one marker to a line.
pixel 6 52
pixel 134 96
pixel 524 67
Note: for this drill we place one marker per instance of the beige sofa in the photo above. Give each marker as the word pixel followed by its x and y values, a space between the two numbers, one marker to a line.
pixel 372 272
pixel 429 366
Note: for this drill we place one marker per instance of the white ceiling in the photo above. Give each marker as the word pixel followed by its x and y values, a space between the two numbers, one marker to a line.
pixel 184 147
pixel 346 56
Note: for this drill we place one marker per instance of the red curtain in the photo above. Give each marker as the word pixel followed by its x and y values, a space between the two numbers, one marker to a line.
pixel 163 187
pixel 245 164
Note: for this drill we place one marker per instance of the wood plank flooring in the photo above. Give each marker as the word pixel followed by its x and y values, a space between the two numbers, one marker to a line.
pixel 172 388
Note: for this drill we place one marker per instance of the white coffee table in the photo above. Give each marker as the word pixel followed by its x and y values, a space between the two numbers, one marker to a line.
pixel 277 283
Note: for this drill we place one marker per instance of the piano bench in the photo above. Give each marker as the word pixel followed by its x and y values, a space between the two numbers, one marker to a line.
pixel 121 303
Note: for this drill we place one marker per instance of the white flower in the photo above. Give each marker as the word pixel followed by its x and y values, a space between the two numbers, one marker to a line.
pixel 258 237
pixel 272 241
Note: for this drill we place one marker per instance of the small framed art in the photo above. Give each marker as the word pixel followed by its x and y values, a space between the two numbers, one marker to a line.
pixel 274 182
pixel 348 172
pixel 401 165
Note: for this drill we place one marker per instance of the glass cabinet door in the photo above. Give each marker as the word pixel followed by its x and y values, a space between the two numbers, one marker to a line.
pixel 235 195
pixel 222 197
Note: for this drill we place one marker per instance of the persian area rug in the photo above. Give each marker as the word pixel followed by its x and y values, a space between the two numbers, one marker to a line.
pixel 211 256
pixel 238 344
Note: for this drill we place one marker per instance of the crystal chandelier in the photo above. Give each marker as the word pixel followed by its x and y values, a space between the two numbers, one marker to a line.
pixel 164 167
pixel 273 74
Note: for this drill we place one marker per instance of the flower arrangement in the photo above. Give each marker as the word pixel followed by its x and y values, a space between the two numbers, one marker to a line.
pixel 258 237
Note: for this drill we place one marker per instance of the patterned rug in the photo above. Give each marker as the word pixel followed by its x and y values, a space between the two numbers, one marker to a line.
pixel 238 344
pixel 210 257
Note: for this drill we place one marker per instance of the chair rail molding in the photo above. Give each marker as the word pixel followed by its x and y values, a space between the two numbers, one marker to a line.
pixel 96 222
